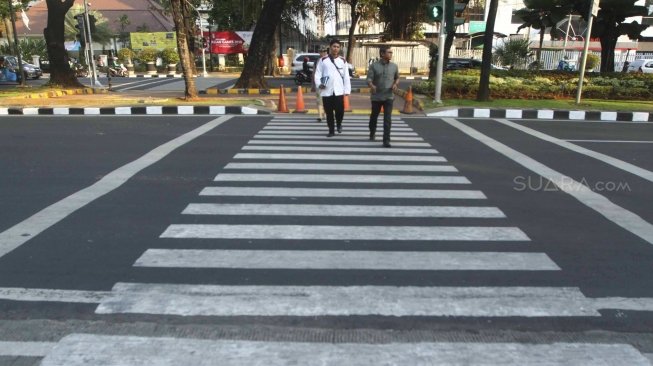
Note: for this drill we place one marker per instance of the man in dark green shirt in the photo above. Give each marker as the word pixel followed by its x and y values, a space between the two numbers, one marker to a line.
pixel 382 78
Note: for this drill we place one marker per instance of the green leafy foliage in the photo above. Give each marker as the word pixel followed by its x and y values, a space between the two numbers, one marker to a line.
pixel 126 54
pixel 148 54
pixel 170 55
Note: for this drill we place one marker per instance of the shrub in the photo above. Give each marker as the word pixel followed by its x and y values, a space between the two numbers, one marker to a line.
pixel 170 56
pixel 148 54
pixel 125 54
pixel 592 61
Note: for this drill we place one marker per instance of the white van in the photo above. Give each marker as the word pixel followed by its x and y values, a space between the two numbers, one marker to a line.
pixel 641 65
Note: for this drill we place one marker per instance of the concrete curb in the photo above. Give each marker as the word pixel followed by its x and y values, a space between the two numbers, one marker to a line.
pixel 60 93
pixel 150 110
pixel 269 91
pixel 544 114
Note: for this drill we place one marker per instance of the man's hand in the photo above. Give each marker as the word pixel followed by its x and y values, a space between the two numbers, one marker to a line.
pixel 394 87
pixel 373 88
pixel 322 86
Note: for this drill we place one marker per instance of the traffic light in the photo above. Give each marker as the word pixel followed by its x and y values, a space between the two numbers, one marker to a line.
pixel 91 23
pixel 454 12
pixel 204 43
pixel 81 32
pixel 434 11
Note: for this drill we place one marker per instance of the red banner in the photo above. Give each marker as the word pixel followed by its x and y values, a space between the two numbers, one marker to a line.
pixel 228 42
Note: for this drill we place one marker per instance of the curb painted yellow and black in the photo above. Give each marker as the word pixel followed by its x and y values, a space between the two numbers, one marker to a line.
pixel 62 92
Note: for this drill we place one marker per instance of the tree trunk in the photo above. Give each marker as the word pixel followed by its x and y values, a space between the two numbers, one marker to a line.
pixel 486 66
pixel 60 72
pixel 608 43
pixel 352 29
pixel 182 48
pixel 448 42
pixel 538 54
pixel 262 44
pixel 9 34
pixel 190 30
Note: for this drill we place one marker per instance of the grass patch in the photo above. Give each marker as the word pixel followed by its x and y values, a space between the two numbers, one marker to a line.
pixel 562 104
pixel 104 100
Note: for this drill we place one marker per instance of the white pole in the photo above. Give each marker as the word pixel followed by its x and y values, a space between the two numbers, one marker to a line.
pixel 593 9
pixel 203 51
pixel 94 79
pixel 440 70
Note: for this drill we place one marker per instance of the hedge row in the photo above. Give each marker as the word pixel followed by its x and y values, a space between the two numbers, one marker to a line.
pixel 522 84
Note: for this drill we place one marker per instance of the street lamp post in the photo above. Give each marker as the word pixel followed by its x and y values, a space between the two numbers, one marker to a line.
pixel 16 45
pixel 94 78
pixel 204 73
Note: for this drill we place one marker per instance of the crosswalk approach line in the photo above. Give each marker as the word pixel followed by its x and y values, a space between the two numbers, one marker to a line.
pixel 125 350
pixel 342 167
pixel 343 192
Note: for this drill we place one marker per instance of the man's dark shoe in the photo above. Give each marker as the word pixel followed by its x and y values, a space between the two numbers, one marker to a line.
pixel 386 144
pixel 319 119
pixel 339 128
pixel 372 137
pixel 331 134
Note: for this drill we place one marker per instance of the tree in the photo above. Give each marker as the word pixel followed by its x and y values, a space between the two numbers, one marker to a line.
pixel 6 19
pixel 486 65
pixel 262 44
pixel 123 23
pixel 403 18
pixel 514 52
pixel 182 47
pixel 543 14
pixel 60 72
pixel 609 25
pixel 359 10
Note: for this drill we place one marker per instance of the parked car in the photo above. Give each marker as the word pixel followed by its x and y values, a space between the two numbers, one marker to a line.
pixel 298 62
pixel 8 72
pixel 30 71
pixel 468 63
pixel 641 65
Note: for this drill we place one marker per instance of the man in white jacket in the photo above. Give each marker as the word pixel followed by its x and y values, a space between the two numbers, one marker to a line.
pixel 332 77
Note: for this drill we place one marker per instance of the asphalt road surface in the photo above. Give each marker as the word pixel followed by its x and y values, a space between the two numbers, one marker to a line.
pixel 187 240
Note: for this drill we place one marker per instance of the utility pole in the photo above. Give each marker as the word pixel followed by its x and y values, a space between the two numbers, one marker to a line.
pixel 594 9
pixel 89 39
pixel 441 42
pixel 199 16
pixel 19 72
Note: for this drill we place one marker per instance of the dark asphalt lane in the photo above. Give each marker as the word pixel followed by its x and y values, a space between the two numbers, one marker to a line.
pixel 600 257
pixel 96 246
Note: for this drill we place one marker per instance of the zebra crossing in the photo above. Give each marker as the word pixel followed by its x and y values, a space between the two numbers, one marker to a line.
pixel 290 171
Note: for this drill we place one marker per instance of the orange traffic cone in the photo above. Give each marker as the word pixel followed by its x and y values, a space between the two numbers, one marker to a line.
pixel 408 106
pixel 282 107
pixel 347 106
pixel 300 101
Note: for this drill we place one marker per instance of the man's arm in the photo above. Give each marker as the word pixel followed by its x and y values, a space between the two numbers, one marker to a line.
pixel 317 75
pixel 347 80
pixel 370 78
pixel 395 85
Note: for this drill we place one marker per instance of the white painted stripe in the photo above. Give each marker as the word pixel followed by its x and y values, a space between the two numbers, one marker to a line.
pixel 123 110
pixel 445 113
pixel 620 164
pixel 514 113
pixel 214 300
pixel 340 192
pixel 613 141
pixel 343 167
pixel 60 111
pixel 413 158
pixel 185 109
pixel 89 349
pixel 28 111
pixel 624 303
pixel 135 351
pixel 608 116
pixel 91 111
pixel 321 128
pixel 50 295
pixel 336 143
pixel 338 260
pixel 545 114
pixel 341 149
pixel 154 110
pixel 248 110
pixel 217 110
pixel 341 210
pixel 340 178
pixel 348 119
pixel 20 233
pixel 321 133
pixel 640 116
pixel 4 111
pixel 481 113
pixel 324 232
pixel 577 115
pixel 335 138
pixel 617 214
pixel 323 125
pixel 26 349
